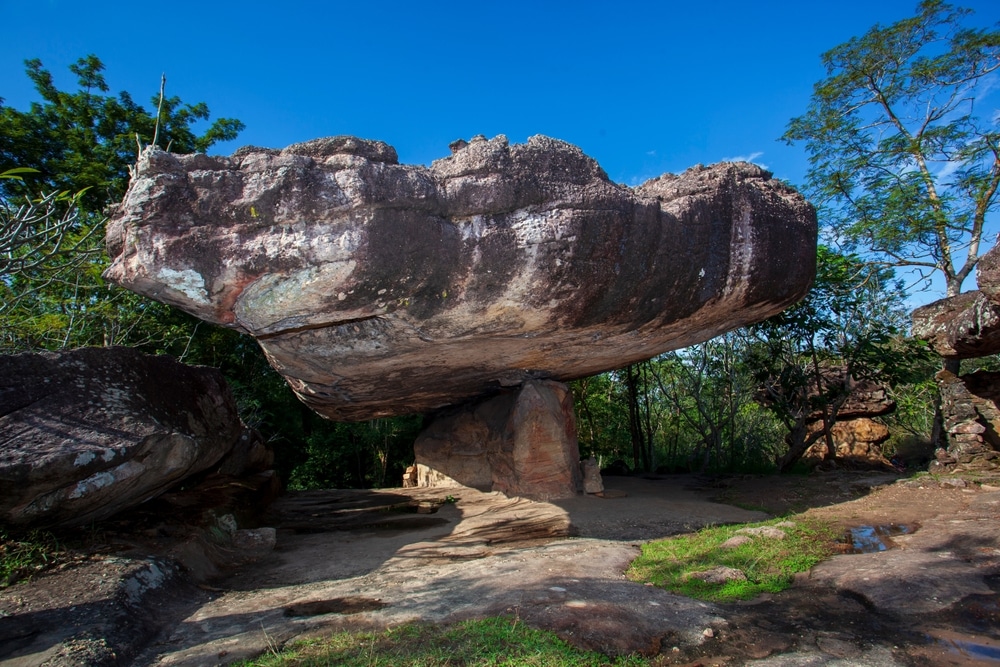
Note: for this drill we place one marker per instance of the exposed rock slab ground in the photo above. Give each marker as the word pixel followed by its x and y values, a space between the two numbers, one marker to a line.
pixel 925 602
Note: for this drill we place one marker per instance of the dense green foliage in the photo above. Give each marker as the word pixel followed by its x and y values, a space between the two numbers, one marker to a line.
pixel 691 410
pixel 768 564
pixel 904 164
pixel 73 151
pixel 498 642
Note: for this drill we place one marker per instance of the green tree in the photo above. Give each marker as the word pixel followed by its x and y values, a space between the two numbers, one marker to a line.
pixel 717 425
pixel 809 357
pixel 904 164
pixel 80 142
pixel 87 139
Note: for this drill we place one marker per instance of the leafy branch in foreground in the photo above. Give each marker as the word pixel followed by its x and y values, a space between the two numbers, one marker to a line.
pixel 42 238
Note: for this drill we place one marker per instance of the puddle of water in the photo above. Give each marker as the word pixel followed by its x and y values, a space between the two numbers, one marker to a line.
pixel 975 649
pixel 872 539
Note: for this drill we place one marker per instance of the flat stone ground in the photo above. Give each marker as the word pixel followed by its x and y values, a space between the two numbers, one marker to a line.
pixel 364 559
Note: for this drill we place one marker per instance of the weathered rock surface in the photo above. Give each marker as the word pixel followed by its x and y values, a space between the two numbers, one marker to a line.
pixel 521 443
pixel 970 406
pixel 856 440
pixel 377 288
pixel 968 325
pixel 856 436
pixel 87 433
pixel 960 327
pixel 965 327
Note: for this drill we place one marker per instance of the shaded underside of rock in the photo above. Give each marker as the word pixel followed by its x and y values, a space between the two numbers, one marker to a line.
pixel 377 288
pixel 87 433
pixel 520 443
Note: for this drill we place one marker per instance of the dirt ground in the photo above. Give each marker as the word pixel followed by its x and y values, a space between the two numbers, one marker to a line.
pixel 371 559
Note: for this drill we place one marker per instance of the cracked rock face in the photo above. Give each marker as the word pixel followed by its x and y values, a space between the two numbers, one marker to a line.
pixel 93 431
pixel 378 289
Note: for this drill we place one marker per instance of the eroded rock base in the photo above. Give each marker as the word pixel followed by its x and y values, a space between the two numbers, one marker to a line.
pixel 969 406
pixel 520 443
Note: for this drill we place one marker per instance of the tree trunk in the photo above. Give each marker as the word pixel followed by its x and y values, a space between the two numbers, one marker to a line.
pixel 799 441
pixel 634 427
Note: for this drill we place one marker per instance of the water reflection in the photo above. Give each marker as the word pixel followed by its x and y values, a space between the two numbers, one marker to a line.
pixel 871 539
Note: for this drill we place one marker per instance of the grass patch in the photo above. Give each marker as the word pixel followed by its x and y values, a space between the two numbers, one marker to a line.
pixel 498 641
pixel 25 555
pixel 769 564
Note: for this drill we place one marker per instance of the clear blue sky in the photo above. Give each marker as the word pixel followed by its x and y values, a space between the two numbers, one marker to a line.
pixel 643 87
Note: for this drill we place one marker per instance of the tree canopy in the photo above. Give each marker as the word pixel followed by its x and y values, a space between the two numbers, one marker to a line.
pixel 903 162
pixel 65 160
pixel 87 139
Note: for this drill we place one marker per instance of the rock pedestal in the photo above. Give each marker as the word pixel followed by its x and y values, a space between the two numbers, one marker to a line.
pixel 377 288
pixel 967 326
pixel 521 442
pixel 971 420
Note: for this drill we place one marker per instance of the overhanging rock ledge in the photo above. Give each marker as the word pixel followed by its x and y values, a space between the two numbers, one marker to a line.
pixel 378 289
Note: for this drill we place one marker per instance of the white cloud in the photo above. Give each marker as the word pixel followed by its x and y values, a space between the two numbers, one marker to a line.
pixel 752 157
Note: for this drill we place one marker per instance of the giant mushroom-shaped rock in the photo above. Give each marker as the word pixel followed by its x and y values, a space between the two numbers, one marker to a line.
pixel 377 288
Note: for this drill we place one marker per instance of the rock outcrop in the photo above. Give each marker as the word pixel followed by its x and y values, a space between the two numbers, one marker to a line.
pixel 90 432
pixel 377 288
pixel 967 326
pixel 960 327
pixel 855 434
pixel 857 441
pixel 969 406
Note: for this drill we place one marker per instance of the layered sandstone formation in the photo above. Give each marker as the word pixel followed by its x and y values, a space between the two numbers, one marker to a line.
pixel 378 289
pixel 967 326
pixel 88 433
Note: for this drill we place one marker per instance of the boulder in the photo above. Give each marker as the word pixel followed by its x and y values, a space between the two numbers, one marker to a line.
pixel 591 472
pixel 379 289
pixel 521 443
pixel 87 433
pixel 857 440
pixel 965 326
